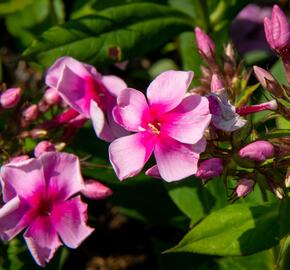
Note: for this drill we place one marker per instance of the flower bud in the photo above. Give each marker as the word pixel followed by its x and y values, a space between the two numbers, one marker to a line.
pixel 37 133
pixel 42 147
pixel 204 43
pixel 244 187
pixel 245 110
pixel 268 81
pixel 95 190
pixel 51 96
pixel 257 151
pixel 277 30
pixel 30 113
pixel 216 84
pixel 210 168
pixel 10 98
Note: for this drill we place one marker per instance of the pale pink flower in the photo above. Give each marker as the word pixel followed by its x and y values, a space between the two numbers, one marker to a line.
pixel 171 124
pixel 39 196
pixel 89 93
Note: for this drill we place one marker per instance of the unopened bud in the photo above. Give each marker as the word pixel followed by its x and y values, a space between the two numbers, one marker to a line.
pixel 37 133
pixel 204 43
pixel 10 98
pixel 210 168
pixel 229 52
pixel 244 187
pixel 42 147
pixel 245 110
pixel 268 81
pixel 276 189
pixel 216 84
pixel 51 96
pixel 95 190
pixel 257 151
pixel 30 113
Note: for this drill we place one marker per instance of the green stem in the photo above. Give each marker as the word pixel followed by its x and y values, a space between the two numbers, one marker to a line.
pixel 202 14
pixel 218 13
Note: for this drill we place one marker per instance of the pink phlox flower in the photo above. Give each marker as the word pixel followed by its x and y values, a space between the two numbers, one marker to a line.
pixel 89 93
pixel 39 196
pixel 170 124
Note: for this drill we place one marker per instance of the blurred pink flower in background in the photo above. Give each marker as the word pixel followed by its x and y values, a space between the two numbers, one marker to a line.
pixel 39 196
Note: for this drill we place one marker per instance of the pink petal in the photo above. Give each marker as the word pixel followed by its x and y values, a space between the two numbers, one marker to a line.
pixel 188 121
pixel 54 72
pixel 117 130
pixel 96 190
pixel 129 154
pixel 113 84
pixel 13 219
pixel 280 28
pixel 62 174
pixel 153 172
pixel 167 90
pixel 24 178
pixel 76 90
pixel 42 240
pixel 268 32
pixel 69 218
pixel 131 105
pixel 175 160
pixel 100 124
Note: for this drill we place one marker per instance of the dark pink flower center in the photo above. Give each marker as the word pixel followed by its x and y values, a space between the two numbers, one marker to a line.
pixel 45 207
pixel 154 127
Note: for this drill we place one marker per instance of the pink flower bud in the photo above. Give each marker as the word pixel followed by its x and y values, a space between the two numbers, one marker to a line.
pixel 10 98
pixel 258 151
pixel 270 105
pixel 210 168
pixel 51 96
pixel 268 81
pixel 204 43
pixel 95 190
pixel 18 158
pixel 42 147
pixel 30 113
pixel 216 84
pixel 244 187
pixel 277 30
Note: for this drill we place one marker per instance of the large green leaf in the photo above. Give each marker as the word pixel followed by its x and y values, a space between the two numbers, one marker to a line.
pixel 238 229
pixel 12 6
pixel 131 30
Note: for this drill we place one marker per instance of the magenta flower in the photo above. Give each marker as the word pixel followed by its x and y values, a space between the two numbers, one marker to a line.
pixel 89 93
pixel 269 105
pixel 39 196
pixel 171 124
pixel 258 151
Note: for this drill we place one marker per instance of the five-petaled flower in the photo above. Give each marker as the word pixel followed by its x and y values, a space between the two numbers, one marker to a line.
pixel 89 93
pixel 39 195
pixel 171 124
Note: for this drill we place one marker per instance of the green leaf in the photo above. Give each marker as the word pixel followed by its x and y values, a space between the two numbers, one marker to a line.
pixel 278 133
pixel 12 6
pixel 246 94
pixel 133 30
pixel 238 229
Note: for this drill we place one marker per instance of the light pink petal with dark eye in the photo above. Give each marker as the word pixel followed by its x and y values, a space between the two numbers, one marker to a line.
pixel 13 218
pixel 54 72
pixel 76 90
pixel 167 90
pixel 24 177
pixel 175 160
pixel 131 106
pixel 69 218
pixel 280 28
pixel 101 127
pixel 42 240
pixel 129 154
pixel 62 174
pixel 113 84
pixel 188 121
